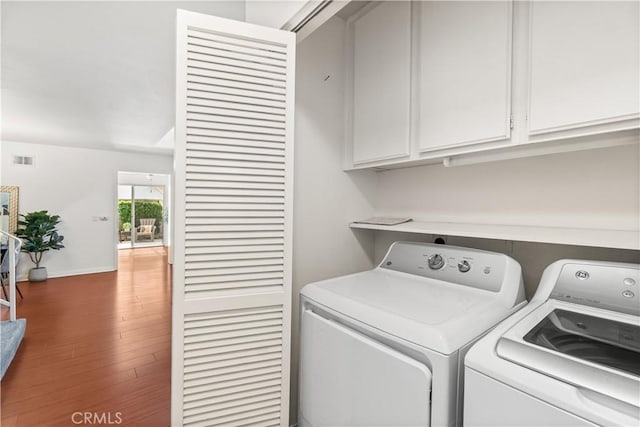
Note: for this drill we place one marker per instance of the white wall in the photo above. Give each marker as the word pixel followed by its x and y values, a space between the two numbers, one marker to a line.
pixel 583 189
pixel 272 13
pixel 326 199
pixel 80 185
pixel 137 178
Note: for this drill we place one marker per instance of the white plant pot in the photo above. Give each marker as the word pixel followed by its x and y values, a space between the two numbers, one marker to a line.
pixel 38 274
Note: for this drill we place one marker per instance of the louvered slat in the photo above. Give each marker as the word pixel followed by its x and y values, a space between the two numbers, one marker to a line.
pixel 233 410
pixel 203 290
pixel 236 200
pixel 232 281
pixel 232 418
pixel 252 110
pixel 269 375
pixel 191 245
pixel 231 134
pixel 199 90
pixel 271 381
pixel 240 88
pixel 232 269
pixel 246 54
pixel 257 344
pixel 259 166
pixel 230 152
pixel 235 255
pixel 242 79
pixel 212 250
pixel 217 116
pixel 198 349
pixel 234 315
pixel 218 344
pixel 260 46
pixel 256 131
pixel 198 141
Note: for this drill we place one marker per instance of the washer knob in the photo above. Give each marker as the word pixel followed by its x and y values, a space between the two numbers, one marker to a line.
pixel 436 262
pixel 464 266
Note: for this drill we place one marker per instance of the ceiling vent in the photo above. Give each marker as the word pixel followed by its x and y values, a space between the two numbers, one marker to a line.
pixel 23 160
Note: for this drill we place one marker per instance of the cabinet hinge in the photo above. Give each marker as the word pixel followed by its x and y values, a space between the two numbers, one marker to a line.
pixel 511 122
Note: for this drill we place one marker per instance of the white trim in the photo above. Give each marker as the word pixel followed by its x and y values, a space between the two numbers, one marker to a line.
pixel 493 152
pixel 179 156
pixel 589 123
pixel 320 18
pixel 67 273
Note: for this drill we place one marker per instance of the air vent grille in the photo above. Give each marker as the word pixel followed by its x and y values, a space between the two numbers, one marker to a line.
pixel 23 160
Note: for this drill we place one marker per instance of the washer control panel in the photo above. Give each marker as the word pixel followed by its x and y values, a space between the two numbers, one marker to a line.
pixel 463 266
pixel 604 285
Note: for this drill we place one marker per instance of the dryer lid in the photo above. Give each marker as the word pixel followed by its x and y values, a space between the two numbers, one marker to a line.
pixel 434 314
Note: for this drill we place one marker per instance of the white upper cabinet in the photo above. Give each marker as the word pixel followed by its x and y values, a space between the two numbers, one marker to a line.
pixel 464 71
pixel 381 72
pixel 584 65
pixel 451 81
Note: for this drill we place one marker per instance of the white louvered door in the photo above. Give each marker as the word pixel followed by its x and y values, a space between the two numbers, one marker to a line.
pixel 233 195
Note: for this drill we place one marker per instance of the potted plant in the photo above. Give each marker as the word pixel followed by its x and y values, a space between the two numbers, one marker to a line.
pixel 39 235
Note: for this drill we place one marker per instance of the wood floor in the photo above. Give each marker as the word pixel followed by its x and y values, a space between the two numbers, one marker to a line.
pixel 96 343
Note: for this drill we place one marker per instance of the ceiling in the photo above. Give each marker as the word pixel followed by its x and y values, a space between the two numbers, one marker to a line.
pixel 93 74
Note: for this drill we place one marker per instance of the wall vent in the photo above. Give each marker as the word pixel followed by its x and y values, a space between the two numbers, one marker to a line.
pixel 23 160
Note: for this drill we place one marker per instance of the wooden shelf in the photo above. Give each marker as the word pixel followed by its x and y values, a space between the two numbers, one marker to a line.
pixel 621 239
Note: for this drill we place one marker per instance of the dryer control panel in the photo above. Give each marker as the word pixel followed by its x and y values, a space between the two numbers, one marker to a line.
pixel 462 266
pixel 605 285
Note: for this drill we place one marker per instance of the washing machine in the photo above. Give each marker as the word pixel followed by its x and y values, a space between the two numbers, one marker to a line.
pixel 571 357
pixel 385 347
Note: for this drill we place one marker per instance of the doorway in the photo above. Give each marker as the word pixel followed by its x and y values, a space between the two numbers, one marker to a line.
pixel 142 210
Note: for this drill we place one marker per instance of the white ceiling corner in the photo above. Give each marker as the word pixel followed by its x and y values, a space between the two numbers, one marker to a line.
pixel 93 74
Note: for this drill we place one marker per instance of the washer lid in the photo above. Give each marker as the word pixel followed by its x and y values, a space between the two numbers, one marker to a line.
pixel 434 314
pixel 614 375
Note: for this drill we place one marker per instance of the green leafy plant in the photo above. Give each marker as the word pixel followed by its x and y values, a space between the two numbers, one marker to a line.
pixel 39 234
pixel 126 226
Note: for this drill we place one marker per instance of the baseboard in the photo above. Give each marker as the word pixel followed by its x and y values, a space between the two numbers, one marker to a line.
pixel 79 272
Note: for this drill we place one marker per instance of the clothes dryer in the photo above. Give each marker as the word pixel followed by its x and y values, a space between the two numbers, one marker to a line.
pixel 385 347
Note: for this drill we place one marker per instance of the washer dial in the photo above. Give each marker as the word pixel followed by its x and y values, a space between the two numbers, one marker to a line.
pixel 464 266
pixel 435 261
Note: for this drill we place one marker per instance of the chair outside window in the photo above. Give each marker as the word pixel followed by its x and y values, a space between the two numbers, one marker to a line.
pixel 147 229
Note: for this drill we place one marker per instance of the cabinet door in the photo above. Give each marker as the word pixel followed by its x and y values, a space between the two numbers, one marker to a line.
pixel 381 82
pixel 584 64
pixel 464 73
pixel 232 268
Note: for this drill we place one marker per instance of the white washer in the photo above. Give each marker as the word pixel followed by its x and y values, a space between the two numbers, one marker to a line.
pixel 385 347
pixel 570 358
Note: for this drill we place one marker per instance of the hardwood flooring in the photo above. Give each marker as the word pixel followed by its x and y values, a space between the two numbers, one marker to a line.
pixel 98 344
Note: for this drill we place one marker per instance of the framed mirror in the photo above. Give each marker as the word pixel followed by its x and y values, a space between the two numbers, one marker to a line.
pixel 9 208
